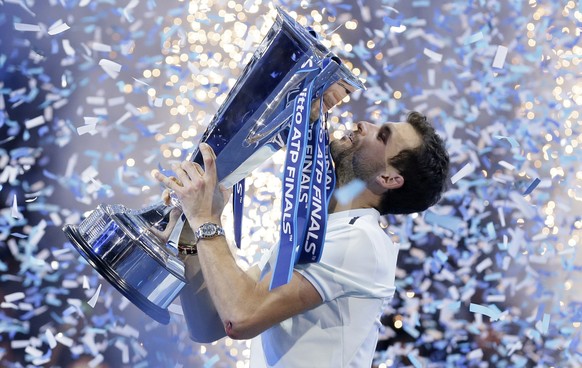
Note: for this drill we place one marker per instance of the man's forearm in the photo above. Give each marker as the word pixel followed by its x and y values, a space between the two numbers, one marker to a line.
pixel 233 291
pixel 204 323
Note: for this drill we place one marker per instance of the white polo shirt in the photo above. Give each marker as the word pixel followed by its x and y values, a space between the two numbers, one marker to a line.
pixel 354 277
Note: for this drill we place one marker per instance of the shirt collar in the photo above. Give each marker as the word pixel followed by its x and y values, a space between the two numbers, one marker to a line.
pixel 357 212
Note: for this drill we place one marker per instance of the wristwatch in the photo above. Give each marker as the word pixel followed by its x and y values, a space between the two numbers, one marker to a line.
pixel 207 230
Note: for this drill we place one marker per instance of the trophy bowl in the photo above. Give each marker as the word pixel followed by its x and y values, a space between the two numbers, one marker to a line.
pixel 136 250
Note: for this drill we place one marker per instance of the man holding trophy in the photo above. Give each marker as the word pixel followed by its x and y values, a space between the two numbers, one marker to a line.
pixel 327 314
pixel 304 305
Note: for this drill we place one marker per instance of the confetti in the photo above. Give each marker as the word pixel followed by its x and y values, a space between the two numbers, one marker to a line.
pixel 466 170
pixel 58 27
pixel 98 46
pixel 486 241
pixel 24 27
pixel 414 361
pixel 500 55
pixel 14 297
pixel 433 55
pixel 212 361
pixel 95 297
pixel 487 311
pixel 347 193
pixel 532 186
pixel 14 210
pixel 483 265
pixel 110 67
pixel 544 324
pixel 475 37
pixel 33 123
pixel 50 339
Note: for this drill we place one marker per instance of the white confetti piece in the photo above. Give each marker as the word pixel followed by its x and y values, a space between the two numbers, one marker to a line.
pixel 87 129
pixel 90 120
pixel 19 344
pixel 483 265
pixel 50 338
pixel 468 169
pixel 84 3
pixel 58 27
pixel 24 27
pixel 10 298
pixel 69 50
pixel 37 233
pixel 67 341
pixel 513 347
pixel 348 192
pixel 116 101
pixel 506 165
pixel 433 55
pixel 97 46
pixel 495 298
pixel 501 216
pixel 85 283
pixel 110 67
pixel 475 354
pixel 566 251
pixel 95 100
pixel 41 360
pixel 33 123
pixel 489 312
pixel 475 37
pixel 89 174
pixel 56 219
pixel 499 59
pixel 94 298
pixel 32 351
pixel 524 206
pixel 126 330
pixel 431 76
pixel 124 350
pixel 123 118
pixel 69 284
pixel 14 210
pixel 543 325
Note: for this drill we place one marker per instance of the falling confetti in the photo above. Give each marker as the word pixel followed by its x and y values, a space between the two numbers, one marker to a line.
pixel 92 101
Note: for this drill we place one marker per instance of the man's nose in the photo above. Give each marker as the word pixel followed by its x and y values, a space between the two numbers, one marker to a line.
pixel 364 127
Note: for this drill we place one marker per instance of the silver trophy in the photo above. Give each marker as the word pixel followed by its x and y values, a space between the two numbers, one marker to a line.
pixel 136 250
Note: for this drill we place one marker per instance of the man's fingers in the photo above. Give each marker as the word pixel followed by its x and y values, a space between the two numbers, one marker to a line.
pixel 166 196
pixel 183 175
pixel 192 169
pixel 168 182
pixel 176 180
pixel 209 160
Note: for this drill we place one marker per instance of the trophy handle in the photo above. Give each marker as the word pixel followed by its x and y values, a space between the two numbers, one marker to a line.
pixel 174 237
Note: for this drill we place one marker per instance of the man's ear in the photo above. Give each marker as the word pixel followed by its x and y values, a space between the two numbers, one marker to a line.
pixel 390 180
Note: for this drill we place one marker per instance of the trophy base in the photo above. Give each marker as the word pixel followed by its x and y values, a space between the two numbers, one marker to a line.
pixel 159 314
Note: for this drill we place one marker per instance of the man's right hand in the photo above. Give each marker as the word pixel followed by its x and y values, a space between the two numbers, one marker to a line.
pixel 331 97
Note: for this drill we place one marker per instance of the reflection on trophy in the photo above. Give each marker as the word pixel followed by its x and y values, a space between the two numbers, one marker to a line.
pixel 136 250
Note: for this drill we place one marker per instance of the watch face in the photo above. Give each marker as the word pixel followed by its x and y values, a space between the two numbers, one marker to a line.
pixel 208 230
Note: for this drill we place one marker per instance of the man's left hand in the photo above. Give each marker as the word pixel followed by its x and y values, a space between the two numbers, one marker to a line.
pixel 202 198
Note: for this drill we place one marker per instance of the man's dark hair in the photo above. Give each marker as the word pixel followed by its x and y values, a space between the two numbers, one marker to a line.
pixel 424 169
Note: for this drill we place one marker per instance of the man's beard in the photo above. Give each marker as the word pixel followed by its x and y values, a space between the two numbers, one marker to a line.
pixel 349 165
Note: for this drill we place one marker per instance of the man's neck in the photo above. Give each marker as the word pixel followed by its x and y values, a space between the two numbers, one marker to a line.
pixel 335 206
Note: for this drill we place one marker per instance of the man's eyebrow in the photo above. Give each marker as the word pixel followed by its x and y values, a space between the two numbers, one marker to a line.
pixel 386 130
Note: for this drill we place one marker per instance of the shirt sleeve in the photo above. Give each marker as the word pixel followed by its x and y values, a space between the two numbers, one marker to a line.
pixel 352 264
